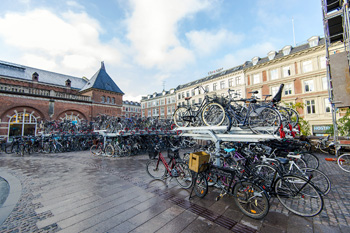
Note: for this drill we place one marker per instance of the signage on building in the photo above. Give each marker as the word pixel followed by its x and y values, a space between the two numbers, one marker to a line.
pixel 215 71
pixel 320 130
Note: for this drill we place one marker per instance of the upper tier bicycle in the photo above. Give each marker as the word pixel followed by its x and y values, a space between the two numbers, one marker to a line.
pixel 208 112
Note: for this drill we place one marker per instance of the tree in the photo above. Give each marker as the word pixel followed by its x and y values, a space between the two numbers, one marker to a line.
pixel 344 124
pixel 305 128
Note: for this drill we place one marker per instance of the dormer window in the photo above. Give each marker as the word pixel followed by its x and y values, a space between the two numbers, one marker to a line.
pixel 255 60
pixel 271 55
pixel 35 77
pixel 313 41
pixel 286 50
pixel 68 83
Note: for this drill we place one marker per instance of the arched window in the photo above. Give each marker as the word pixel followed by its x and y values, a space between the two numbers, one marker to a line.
pixel 103 99
pixel 71 118
pixel 22 124
pixel 108 99
pixel 113 100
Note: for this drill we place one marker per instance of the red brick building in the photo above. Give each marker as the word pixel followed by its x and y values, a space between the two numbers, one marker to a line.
pixel 29 96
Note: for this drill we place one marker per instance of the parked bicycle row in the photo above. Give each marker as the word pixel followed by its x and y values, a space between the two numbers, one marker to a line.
pixel 114 124
pixel 65 126
pixel 54 143
pixel 252 173
pixel 126 145
pixel 261 117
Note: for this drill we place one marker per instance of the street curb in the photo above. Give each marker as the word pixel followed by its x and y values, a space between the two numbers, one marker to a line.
pixel 13 197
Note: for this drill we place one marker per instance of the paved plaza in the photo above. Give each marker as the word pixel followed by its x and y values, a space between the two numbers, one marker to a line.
pixel 76 192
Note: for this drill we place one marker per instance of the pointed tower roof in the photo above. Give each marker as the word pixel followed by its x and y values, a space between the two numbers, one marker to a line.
pixel 102 81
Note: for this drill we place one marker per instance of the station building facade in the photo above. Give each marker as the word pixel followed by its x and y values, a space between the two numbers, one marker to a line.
pixel 29 96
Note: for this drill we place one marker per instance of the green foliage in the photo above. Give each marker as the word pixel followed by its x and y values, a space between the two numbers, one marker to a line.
pixel 344 124
pixel 304 125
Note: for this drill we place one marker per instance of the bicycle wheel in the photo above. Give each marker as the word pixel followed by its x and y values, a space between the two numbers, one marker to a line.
pixel 311 160
pixel 213 114
pixel 251 200
pixel 285 117
pixel 294 116
pixel 156 169
pixel 109 150
pixel 179 115
pixel 264 121
pixel 344 162
pixel 184 178
pixel 323 148
pixel 298 195
pixel 318 179
pixel 21 150
pixel 10 149
pixel 265 173
pixel 201 186
pixel 96 150
pixel 47 147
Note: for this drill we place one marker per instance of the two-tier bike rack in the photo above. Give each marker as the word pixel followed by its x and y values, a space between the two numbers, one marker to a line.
pixel 219 134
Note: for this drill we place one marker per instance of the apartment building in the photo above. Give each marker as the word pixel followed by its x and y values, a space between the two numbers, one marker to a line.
pixel 131 109
pixel 303 72
pixel 161 105
pixel 218 84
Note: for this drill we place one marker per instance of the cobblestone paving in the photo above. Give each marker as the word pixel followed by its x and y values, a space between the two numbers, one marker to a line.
pixel 75 192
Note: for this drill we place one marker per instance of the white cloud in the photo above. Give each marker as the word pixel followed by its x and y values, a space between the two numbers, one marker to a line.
pixel 75 4
pixel 71 40
pixel 152 30
pixel 206 42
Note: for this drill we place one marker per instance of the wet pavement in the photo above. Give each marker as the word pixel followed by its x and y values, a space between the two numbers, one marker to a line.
pixel 76 192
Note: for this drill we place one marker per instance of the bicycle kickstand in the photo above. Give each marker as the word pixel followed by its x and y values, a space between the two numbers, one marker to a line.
pixel 223 193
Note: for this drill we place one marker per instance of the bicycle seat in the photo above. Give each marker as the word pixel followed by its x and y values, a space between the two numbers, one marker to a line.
pixel 229 150
pixel 252 100
pixel 283 160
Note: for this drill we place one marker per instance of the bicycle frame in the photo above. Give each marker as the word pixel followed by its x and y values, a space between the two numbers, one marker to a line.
pixel 172 161
pixel 195 113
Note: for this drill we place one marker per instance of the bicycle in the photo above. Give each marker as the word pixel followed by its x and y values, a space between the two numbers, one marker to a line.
pixel 250 198
pixel 14 146
pixel 158 168
pixel 211 113
pixel 98 147
pixel 259 119
pixel 296 193
pixel 325 146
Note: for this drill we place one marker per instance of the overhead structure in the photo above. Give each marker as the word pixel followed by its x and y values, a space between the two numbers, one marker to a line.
pixel 336 29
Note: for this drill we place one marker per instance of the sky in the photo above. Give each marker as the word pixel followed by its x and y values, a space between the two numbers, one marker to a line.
pixel 151 45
